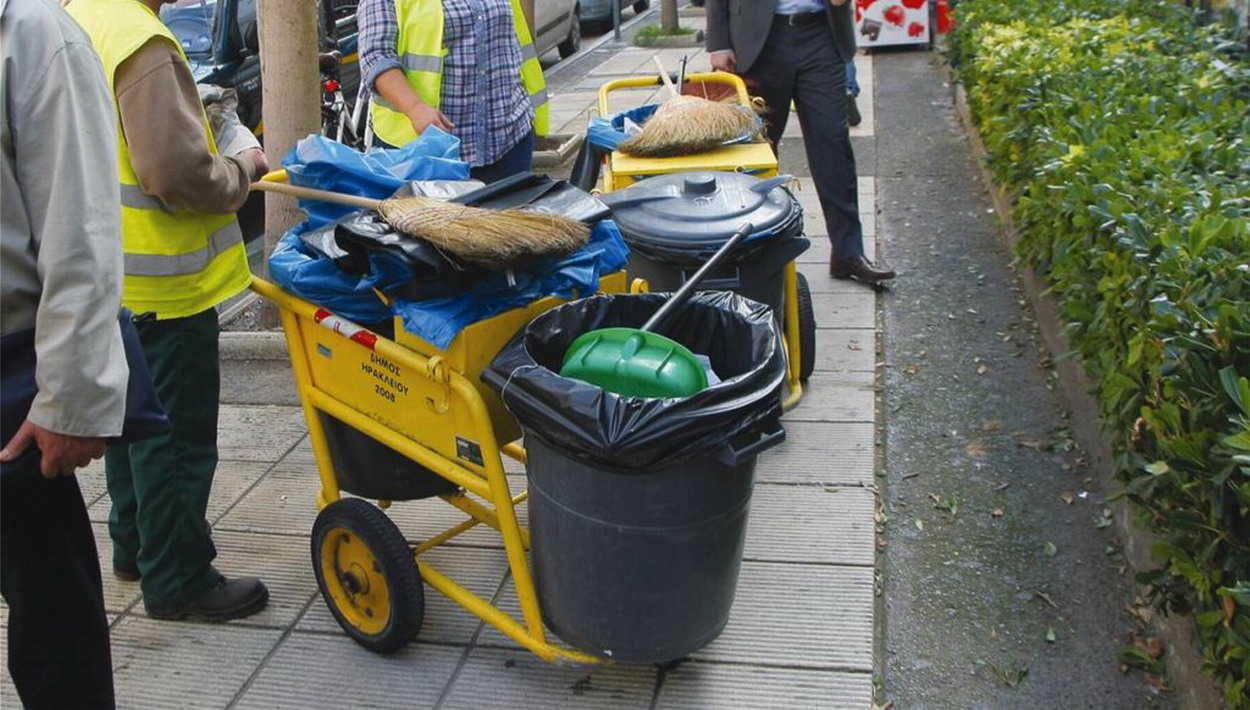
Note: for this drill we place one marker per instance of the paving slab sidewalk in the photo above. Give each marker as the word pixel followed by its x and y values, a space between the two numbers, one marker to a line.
pixel 802 629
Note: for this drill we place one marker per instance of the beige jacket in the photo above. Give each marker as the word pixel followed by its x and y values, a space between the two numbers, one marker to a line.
pixel 60 218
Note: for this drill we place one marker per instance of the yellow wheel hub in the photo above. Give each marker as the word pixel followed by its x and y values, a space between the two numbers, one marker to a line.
pixel 355 581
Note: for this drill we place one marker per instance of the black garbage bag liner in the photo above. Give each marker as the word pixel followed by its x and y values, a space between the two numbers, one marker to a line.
pixel 738 335
pixel 407 268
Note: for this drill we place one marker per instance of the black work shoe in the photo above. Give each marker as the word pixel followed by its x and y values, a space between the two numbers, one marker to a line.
pixel 228 599
pixel 860 269
pixel 127 572
pixel 852 111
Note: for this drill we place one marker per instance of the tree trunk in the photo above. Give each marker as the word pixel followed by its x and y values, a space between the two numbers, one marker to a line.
pixel 291 100
pixel 668 16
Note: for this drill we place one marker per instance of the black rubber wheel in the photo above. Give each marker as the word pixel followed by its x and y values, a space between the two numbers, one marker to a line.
pixel 807 330
pixel 641 6
pixel 367 576
pixel 573 42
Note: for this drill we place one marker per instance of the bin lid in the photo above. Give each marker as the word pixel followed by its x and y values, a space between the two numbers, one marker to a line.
pixel 700 210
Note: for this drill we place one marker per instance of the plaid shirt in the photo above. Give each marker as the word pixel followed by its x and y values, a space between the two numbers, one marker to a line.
pixel 482 92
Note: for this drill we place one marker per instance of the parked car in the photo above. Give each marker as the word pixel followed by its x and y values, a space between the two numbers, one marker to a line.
pixel 557 25
pixel 221 41
pixel 597 14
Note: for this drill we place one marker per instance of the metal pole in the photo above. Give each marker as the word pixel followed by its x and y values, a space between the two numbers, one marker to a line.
pixel 616 20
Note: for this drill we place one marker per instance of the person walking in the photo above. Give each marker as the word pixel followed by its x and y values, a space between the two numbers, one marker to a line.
pixel 797 50
pixel 467 67
pixel 60 290
pixel 184 255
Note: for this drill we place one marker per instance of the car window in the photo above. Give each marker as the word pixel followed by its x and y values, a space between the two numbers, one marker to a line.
pixel 191 21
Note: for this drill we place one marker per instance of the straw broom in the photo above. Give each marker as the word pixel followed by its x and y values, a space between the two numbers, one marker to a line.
pixel 685 125
pixel 493 239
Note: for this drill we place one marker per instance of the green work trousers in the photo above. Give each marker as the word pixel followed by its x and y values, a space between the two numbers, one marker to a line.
pixel 160 486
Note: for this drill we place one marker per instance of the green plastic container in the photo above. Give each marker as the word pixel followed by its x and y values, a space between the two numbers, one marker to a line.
pixel 634 363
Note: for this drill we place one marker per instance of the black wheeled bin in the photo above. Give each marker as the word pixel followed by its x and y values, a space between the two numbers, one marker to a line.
pixel 638 506
pixel 674 222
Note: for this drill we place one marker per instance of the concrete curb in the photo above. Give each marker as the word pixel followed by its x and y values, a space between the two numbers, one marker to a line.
pixel 253 345
pixel 1193 688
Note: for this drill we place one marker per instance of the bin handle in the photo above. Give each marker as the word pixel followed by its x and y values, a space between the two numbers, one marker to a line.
pixel 773 434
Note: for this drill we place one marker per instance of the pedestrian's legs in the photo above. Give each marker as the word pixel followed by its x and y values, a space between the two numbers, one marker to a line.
pixel 58 645
pixel 773 72
pixel 172 474
pixel 123 528
pixel 820 98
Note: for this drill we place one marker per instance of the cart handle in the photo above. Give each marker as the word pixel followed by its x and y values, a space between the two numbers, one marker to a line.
pixel 636 82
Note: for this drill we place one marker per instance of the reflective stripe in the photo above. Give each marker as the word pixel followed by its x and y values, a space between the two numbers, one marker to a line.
pixel 539 98
pixel 422 62
pixel 528 52
pixel 377 99
pixel 135 198
pixel 184 264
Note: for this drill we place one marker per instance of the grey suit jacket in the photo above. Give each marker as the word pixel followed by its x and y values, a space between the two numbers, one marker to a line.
pixel 742 25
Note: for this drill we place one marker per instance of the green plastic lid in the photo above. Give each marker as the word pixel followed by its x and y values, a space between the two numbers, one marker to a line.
pixel 634 363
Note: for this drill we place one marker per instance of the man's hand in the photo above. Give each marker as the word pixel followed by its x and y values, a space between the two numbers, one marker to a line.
pixel 62 454
pixel 260 164
pixel 724 60
pixel 424 115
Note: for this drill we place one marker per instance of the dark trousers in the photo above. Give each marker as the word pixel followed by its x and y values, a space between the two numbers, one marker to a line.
pixel 801 64
pixel 160 486
pixel 50 576
pixel 518 159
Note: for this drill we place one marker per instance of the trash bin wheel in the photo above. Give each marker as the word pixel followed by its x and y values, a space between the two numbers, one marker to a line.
pixel 367 576
pixel 807 330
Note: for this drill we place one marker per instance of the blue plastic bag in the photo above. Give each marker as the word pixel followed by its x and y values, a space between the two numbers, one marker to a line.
pixel 323 164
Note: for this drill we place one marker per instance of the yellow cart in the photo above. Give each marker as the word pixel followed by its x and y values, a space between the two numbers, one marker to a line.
pixel 756 158
pixel 429 407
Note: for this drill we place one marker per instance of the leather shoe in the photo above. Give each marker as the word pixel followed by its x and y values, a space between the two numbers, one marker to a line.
pixel 860 269
pixel 226 600
pixel 127 572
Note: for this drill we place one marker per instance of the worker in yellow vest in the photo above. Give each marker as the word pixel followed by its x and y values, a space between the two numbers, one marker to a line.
pixel 467 67
pixel 184 255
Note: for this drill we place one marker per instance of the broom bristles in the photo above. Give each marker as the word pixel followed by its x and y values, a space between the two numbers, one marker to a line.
pixel 685 125
pixel 494 239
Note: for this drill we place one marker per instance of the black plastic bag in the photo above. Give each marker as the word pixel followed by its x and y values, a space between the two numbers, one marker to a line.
pixel 738 335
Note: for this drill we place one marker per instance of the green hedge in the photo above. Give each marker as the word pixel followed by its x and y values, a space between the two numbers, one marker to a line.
pixel 1121 129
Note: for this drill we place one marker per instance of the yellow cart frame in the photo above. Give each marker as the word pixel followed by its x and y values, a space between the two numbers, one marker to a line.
pixel 421 406
pixel 621 171
pixel 438 400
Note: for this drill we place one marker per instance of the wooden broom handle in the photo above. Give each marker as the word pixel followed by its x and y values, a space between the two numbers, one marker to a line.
pixel 312 194
pixel 668 83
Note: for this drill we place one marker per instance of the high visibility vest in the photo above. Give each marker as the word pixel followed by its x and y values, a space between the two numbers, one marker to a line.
pixel 421 52
pixel 177 263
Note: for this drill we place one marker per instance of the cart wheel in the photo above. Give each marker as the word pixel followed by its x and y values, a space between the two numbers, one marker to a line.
pixel 807 330
pixel 367 575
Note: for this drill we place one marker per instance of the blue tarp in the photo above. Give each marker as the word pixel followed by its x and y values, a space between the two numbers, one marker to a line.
pixel 323 164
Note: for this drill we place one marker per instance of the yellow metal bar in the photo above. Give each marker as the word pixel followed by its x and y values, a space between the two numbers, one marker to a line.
pixel 482 514
pixel 515 451
pixel 642 82
pixel 493 616
pixel 303 384
pixel 446 535
pixel 275 176
pixel 793 352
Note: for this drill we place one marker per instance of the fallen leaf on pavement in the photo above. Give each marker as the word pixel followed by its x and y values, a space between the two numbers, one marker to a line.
pixel 911 370
pixel 1050 549
pixel 992 425
pixel 1050 635
pixel 997 512
pixel 1045 597
pixel 976 449
pixel 1068 497
pixel 982 369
